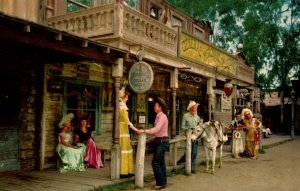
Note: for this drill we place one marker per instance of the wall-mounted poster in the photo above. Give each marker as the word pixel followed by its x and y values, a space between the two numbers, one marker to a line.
pixel 142 119
pixel 55 69
pixel 55 85
pixel 107 97
pixel 141 102
pixel 83 71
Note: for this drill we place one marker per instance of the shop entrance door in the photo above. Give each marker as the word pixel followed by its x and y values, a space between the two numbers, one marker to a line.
pixel 9 128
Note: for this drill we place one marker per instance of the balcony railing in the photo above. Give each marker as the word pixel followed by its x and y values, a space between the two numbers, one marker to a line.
pixel 87 23
pixel 115 20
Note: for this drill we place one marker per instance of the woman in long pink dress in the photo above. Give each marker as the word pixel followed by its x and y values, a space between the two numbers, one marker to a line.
pixel 83 134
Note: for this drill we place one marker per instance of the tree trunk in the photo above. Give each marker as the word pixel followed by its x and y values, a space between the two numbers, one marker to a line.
pixel 281 110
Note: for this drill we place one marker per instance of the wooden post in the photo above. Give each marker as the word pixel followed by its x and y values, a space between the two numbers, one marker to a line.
pixel 116 130
pixel 42 151
pixel 174 86
pixel 210 84
pixel 173 154
pixel 173 132
pixel 115 162
pixel 140 161
pixel 188 152
pixel 117 73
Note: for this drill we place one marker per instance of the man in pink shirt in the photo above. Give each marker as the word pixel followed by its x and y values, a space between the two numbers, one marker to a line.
pixel 161 142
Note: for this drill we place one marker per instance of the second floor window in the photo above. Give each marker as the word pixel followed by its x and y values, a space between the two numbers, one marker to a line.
pixel 76 5
pixel 176 21
pixel 198 33
pixel 154 12
pixel 132 3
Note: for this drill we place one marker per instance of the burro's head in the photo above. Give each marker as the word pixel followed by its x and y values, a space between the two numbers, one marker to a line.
pixel 198 131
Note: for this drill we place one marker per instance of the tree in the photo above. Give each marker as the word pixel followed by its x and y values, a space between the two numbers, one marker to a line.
pixel 269 31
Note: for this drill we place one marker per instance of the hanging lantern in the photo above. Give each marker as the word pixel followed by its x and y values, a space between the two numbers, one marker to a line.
pixel 228 88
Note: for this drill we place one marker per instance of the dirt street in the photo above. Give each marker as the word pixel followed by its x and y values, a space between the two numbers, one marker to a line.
pixel 278 169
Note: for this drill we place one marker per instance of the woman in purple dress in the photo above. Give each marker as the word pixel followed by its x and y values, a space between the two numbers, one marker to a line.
pixel 84 134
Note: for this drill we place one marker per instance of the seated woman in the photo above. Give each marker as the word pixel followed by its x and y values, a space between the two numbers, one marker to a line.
pixel 83 134
pixel 71 156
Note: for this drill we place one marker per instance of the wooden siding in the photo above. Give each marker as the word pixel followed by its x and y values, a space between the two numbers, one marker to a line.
pixel 25 9
pixel 53 109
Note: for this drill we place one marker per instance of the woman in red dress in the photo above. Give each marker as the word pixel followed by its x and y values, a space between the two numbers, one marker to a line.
pixel 84 134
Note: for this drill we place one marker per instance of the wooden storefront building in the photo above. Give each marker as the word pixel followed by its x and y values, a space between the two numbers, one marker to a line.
pixel 62 57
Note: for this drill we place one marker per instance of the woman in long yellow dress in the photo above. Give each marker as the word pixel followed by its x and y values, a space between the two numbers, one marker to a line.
pixel 127 162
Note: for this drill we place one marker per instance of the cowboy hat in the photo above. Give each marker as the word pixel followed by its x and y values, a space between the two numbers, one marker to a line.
pixel 191 104
pixel 162 103
pixel 67 117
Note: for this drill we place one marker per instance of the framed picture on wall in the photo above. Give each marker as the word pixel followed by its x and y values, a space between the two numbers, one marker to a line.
pixel 107 97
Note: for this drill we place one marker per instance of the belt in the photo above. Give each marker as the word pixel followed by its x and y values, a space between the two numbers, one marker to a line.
pixel 161 140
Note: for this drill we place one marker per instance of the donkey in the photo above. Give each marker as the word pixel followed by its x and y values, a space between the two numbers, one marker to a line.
pixel 213 137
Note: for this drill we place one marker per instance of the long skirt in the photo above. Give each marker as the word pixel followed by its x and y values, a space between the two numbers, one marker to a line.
pixel 71 159
pixel 250 148
pixel 92 156
pixel 127 165
pixel 237 143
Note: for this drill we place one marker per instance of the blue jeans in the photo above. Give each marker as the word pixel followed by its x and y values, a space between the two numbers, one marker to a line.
pixel 195 147
pixel 158 163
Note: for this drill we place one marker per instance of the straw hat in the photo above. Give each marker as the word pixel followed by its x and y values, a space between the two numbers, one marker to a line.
pixel 191 104
pixel 67 117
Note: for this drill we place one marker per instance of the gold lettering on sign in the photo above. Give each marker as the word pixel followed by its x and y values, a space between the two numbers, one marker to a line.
pixel 201 52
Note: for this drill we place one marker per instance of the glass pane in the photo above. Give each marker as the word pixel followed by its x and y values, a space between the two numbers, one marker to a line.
pixel 72 6
pixel 78 114
pixel 81 97
pixel 82 100
pixel 131 3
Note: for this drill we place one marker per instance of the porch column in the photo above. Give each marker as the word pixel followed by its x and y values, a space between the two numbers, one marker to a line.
pixel 173 132
pixel 117 73
pixel 174 86
pixel 234 100
pixel 210 93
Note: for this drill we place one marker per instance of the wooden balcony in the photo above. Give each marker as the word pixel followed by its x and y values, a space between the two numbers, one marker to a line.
pixel 112 21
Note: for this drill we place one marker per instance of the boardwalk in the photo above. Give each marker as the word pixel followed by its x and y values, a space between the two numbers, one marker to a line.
pixel 91 179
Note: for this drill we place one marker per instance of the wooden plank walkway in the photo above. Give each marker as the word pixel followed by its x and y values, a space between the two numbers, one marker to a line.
pixel 90 179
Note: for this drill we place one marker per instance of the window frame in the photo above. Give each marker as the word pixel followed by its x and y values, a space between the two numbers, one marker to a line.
pixel 184 21
pixel 195 27
pixel 98 111
pixel 218 95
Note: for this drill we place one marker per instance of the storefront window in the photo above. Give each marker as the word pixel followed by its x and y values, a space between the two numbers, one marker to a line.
pixel 218 102
pixel 82 100
pixel 76 5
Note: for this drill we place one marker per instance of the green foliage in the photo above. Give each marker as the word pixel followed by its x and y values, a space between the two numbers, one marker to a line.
pixel 269 31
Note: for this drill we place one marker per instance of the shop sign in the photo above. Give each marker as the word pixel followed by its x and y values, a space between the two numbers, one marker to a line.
pixel 199 51
pixel 83 71
pixel 140 77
